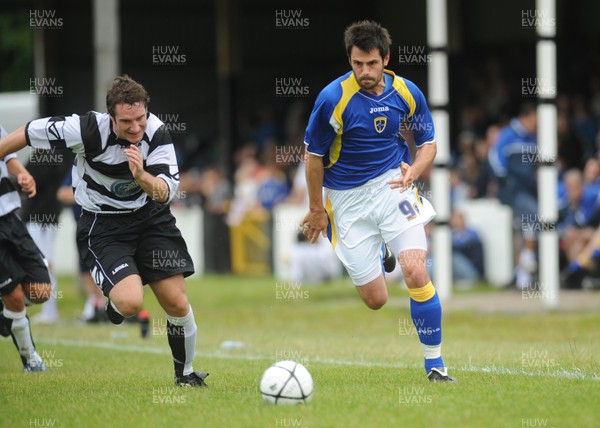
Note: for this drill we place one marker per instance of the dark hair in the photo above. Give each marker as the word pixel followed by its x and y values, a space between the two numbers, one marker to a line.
pixel 527 108
pixel 125 90
pixel 366 36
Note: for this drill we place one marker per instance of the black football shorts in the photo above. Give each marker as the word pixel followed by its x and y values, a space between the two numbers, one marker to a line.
pixel 145 242
pixel 21 261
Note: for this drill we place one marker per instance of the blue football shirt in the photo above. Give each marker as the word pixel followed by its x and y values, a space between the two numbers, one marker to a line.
pixel 358 133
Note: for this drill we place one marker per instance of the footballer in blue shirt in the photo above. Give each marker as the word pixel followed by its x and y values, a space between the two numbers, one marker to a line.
pixel 361 180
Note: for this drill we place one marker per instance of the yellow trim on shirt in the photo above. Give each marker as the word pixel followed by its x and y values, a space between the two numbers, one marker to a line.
pixel 400 85
pixel 349 88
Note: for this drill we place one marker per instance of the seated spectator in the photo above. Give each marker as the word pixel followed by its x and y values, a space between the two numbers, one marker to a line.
pixel 584 271
pixel 574 210
pixel 467 252
pixel 578 228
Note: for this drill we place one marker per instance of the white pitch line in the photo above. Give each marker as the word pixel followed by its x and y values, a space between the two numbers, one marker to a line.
pixel 498 370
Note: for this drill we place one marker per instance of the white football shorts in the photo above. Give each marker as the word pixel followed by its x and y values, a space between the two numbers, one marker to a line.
pixel 360 219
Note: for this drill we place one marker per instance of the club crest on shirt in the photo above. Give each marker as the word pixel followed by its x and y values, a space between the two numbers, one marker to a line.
pixel 380 123
pixel 125 188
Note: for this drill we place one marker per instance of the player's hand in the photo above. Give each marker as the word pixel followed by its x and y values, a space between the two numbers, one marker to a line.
pixel 27 183
pixel 314 222
pixel 135 160
pixel 406 181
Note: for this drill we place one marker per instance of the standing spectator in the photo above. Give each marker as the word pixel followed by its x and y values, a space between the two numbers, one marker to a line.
pixel 216 195
pixel 513 160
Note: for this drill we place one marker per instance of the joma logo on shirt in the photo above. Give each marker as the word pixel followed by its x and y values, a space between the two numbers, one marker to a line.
pixel 378 109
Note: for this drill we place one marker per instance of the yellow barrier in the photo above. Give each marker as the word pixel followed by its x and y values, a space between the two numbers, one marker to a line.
pixel 251 245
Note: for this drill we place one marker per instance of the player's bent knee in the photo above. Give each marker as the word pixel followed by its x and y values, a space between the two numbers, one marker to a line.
pixel 416 277
pixel 375 302
pixel 38 292
pixel 129 308
pixel 179 308
pixel 15 300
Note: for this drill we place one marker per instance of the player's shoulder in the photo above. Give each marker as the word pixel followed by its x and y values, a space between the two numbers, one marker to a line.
pixel 154 125
pixel 157 131
pixel 153 121
pixel 400 81
pixel 508 133
pixel 332 93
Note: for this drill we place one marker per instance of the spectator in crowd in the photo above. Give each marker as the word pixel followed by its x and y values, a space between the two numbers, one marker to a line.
pixel 245 186
pixel 578 224
pixel 513 160
pixel 584 124
pixel 570 144
pixel 484 181
pixel 571 209
pixel 584 271
pixel 216 196
pixel 467 252
pixel 591 178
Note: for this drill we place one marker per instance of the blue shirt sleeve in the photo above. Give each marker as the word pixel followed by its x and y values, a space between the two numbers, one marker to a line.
pixel 319 132
pixel 420 123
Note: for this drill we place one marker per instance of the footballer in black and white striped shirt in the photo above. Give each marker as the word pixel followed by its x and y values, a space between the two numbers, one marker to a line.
pixel 127 174
pixel 24 272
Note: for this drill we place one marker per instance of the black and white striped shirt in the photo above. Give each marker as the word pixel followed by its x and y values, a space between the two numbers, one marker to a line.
pixel 9 197
pixel 104 181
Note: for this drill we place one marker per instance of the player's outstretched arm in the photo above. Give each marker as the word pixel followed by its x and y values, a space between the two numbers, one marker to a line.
pixel 13 142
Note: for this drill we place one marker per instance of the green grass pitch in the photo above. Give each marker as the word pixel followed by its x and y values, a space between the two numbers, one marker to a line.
pixel 514 370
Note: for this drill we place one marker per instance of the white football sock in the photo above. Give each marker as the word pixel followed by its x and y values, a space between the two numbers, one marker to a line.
pixel 50 306
pixel 22 335
pixel 190 331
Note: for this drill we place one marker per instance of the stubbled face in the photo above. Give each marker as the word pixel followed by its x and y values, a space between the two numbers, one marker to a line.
pixel 129 122
pixel 368 68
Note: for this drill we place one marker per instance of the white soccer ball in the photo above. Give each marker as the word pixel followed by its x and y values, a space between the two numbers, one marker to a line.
pixel 286 382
